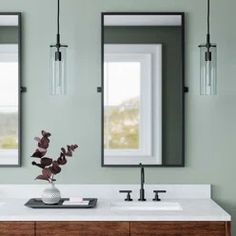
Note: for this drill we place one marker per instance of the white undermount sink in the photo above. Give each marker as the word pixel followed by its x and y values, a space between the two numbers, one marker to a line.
pixel 147 206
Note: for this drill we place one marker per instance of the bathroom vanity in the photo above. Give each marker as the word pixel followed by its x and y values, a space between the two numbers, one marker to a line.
pixel 184 210
pixel 115 228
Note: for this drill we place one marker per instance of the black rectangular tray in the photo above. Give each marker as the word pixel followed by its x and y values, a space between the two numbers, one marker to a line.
pixel 38 203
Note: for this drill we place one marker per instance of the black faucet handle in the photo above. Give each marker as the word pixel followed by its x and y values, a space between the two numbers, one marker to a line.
pixel 156 198
pixel 159 191
pixel 128 197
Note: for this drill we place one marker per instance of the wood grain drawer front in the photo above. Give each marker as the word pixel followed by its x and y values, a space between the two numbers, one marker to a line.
pixel 17 228
pixel 179 229
pixel 82 228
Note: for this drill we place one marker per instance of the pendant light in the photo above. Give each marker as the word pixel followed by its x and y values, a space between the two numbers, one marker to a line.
pixel 58 62
pixel 208 67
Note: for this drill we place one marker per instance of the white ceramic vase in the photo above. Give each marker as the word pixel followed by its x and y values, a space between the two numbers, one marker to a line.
pixel 51 195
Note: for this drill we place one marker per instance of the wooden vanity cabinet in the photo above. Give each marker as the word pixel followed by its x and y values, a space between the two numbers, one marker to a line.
pixel 69 228
pixel 17 228
pixel 133 228
pixel 82 228
pixel 180 229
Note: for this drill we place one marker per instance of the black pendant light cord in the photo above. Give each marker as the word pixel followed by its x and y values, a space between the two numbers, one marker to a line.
pixel 58 45
pixel 58 16
pixel 208 22
pixel 58 23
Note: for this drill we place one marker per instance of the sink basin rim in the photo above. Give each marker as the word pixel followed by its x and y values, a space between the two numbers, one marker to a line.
pixel 147 206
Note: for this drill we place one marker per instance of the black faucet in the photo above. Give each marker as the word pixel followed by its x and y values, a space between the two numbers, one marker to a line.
pixel 142 191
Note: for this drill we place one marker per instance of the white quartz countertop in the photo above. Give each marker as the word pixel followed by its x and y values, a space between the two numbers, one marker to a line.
pixel 192 210
pixel 198 208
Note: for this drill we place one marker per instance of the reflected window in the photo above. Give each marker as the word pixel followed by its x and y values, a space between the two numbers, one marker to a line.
pixel 127 102
pixel 122 105
pixel 8 102
pixel 10 40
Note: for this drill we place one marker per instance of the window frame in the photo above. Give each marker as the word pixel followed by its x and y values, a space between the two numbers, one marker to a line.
pixel 9 53
pixel 150 56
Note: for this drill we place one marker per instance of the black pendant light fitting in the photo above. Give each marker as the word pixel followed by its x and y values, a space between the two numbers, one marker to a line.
pixel 58 45
pixel 208 68
pixel 58 62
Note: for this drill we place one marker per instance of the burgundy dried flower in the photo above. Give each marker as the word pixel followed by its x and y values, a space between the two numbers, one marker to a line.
pixel 49 166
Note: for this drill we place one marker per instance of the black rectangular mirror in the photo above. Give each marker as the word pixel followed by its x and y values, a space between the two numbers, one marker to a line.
pixel 10 85
pixel 143 89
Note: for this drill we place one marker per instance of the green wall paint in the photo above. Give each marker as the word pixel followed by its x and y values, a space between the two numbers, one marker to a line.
pixel 8 34
pixel 210 121
pixel 172 79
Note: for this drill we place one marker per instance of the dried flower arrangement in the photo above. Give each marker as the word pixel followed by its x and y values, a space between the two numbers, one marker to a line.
pixel 49 166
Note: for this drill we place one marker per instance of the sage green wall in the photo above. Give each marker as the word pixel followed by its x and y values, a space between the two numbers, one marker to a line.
pixel 210 121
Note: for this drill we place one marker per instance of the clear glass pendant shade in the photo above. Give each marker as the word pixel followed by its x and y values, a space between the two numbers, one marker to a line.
pixel 58 71
pixel 208 69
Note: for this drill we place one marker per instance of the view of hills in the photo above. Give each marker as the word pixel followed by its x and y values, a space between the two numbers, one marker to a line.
pixel 8 130
pixel 121 125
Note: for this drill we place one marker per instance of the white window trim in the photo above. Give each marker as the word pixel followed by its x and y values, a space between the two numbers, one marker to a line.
pixel 8 156
pixel 145 106
pixel 8 52
pixel 151 134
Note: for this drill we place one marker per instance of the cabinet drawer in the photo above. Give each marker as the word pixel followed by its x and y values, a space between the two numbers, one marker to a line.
pixel 180 229
pixel 82 228
pixel 17 228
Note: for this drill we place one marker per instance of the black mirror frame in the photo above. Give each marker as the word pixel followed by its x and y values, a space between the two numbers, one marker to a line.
pixel 183 87
pixel 21 89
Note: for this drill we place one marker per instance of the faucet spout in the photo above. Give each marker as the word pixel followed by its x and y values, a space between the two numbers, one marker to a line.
pixel 142 191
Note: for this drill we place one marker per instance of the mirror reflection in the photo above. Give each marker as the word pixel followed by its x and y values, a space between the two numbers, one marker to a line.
pixel 142 87
pixel 9 89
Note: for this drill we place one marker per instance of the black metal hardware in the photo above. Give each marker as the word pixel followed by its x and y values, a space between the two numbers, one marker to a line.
pixel 99 89
pixel 23 89
pixel 142 191
pixel 156 198
pixel 208 45
pixel 58 45
pixel 128 197
pixel 186 89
